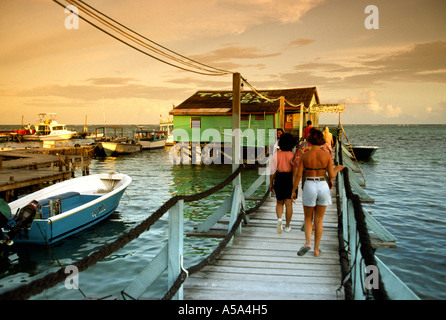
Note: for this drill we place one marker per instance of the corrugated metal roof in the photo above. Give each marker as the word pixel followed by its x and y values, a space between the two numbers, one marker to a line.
pixel 220 102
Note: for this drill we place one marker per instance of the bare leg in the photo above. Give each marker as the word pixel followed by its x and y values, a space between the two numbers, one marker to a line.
pixel 279 212
pixel 279 208
pixel 318 222
pixel 308 212
pixel 288 211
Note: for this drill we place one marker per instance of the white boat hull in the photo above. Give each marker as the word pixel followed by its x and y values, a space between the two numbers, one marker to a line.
pixel 153 144
pixel 92 199
pixel 110 149
pixel 50 137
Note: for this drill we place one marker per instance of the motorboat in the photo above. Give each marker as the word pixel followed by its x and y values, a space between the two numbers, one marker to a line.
pixel 167 125
pixel 151 139
pixel 364 152
pixel 63 209
pixel 48 129
pixel 116 145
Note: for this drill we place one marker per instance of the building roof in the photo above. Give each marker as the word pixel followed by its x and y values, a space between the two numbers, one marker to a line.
pixel 220 102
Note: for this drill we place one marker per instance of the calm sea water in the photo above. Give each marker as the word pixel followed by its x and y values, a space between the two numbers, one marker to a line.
pixel 406 177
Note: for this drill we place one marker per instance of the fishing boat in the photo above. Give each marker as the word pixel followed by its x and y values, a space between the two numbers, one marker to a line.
pixel 364 152
pixel 151 139
pixel 63 209
pixel 85 134
pixel 115 145
pixel 48 129
pixel 167 125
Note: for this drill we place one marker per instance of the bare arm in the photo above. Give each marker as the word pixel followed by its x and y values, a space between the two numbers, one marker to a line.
pixel 297 176
pixel 332 170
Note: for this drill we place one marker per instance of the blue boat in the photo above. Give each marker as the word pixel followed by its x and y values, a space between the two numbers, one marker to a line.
pixel 63 209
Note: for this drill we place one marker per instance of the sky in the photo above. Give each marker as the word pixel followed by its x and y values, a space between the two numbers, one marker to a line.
pixel 394 73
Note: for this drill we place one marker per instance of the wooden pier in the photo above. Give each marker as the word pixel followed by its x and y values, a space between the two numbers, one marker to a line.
pixel 26 170
pixel 263 264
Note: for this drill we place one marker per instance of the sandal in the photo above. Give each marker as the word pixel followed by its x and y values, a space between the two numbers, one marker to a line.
pixel 318 255
pixel 303 250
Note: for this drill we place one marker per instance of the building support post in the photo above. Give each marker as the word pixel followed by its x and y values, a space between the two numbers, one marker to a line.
pixel 282 113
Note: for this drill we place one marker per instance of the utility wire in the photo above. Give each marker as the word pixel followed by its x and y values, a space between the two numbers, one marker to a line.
pixel 131 37
pixel 190 66
pixel 269 98
pixel 151 41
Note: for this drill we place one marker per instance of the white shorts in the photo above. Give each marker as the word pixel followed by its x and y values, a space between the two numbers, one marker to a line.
pixel 316 193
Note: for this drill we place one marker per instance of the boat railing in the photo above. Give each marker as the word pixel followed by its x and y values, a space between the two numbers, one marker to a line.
pixel 365 276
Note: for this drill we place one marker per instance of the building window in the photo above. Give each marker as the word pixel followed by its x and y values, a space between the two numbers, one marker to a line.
pixel 244 117
pixel 260 117
pixel 195 122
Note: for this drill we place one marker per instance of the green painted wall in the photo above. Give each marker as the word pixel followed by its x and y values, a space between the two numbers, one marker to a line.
pixel 219 124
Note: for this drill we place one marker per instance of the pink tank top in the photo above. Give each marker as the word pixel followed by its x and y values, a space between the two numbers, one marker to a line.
pixel 281 161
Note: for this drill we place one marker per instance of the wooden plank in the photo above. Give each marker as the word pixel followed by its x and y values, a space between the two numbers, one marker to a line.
pixel 263 264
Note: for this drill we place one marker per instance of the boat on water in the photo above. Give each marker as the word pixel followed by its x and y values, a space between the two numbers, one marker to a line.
pixel 63 209
pixel 364 152
pixel 167 125
pixel 116 145
pixel 151 139
pixel 48 129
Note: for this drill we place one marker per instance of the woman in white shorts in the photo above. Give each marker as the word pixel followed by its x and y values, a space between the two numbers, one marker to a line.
pixel 316 191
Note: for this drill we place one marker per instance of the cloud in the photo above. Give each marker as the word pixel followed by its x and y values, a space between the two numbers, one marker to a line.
pixel 206 18
pixel 301 42
pixel 392 112
pixel 366 99
pixel 96 89
pixel 228 56
pixel 419 63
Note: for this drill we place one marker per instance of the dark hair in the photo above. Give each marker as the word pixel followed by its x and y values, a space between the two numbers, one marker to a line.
pixel 286 142
pixel 316 138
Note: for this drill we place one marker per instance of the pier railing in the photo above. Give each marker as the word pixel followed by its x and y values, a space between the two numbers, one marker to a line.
pixel 365 276
pixel 170 257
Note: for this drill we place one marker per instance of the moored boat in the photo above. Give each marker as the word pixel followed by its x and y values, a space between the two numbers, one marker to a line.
pixel 48 129
pixel 115 145
pixel 364 152
pixel 63 209
pixel 151 139
pixel 167 125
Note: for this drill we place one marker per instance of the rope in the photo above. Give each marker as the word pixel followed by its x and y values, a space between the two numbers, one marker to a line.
pixel 367 251
pixel 343 254
pixel 39 285
pixel 214 254
pixel 271 99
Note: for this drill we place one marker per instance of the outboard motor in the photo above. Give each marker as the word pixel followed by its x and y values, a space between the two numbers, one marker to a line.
pixel 5 215
pixel 22 221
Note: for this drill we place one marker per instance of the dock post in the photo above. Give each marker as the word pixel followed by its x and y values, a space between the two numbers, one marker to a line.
pixel 236 108
pixel 175 246
pixel 236 147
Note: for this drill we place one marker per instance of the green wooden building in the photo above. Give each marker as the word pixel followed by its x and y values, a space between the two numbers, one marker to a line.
pixel 288 109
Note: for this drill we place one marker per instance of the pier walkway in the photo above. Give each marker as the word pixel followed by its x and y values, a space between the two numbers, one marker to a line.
pixel 263 264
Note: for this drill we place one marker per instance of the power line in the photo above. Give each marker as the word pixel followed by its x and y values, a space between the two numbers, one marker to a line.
pixel 142 36
pixel 269 98
pixel 133 41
